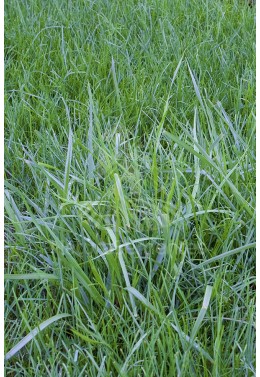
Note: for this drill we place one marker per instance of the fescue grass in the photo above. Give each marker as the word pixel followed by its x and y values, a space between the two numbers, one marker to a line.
pixel 130 188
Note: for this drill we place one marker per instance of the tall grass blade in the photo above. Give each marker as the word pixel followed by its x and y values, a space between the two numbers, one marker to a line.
pixel 134 349
pixel 113 69
pixel 202 312
pixel 90 160
pixel 196 87
pixel 127 280
pixel 122 199
pixel 68 164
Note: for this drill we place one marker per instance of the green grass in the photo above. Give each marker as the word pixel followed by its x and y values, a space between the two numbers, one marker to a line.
pixel 129 188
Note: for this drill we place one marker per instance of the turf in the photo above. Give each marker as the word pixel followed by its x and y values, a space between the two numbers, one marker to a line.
pixel 129 188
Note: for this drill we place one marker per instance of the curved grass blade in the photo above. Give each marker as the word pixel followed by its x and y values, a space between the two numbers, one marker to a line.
pixel 191 339
pixel 33 334
pixel 226 254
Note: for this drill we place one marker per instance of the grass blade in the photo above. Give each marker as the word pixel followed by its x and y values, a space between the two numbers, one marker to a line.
pixel 127 281
pixel 68 164
pixel 202 312
pixel 195 345
pixel 33 334
pixel 225 255
pixel 90 160
pixel 116 86
pixel 122 199
pixel 196 87
pixel 134 349
pixel 32 276
pixel 141 298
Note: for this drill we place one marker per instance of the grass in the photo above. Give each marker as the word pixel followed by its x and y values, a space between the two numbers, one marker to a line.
pixel 129 188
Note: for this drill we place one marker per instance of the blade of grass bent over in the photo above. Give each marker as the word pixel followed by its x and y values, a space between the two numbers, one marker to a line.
pixel 225 255
pixel 33 334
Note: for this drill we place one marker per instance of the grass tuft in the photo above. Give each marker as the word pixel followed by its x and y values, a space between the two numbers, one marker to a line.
pixel 129 188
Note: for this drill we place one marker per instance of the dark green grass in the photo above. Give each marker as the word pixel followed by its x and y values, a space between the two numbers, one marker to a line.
pixel 130 188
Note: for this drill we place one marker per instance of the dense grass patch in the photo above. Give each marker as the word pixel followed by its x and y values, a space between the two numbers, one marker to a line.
pixel 130 188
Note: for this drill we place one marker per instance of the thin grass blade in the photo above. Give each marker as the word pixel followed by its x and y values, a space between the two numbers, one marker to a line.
pixel 226 254
pixel 68 164
pixel 32 276
pixel 122 199
pixel 127 280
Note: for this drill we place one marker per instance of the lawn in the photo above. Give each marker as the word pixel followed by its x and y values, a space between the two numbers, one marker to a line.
pixel 129 188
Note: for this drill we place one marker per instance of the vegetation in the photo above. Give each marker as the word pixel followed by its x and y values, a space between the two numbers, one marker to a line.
pixel 129 188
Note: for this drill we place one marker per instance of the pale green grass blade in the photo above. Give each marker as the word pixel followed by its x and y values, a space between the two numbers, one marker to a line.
pixel 157 143
pixel 196 327
pixel 33 334
pixel 141 298
pixel 54 180
pixel 123 245
pixel 68 164
pixel 159 259
pixel 196 87
pixel 203 212
pixel 122 199
pixel 226 254
pixel 193 344
pixel 176 71
pixel 13 214
pixel 90 160
pixel 134 349
pixel 113 69
pixel 112 236
pixel 196 159
pixel 12 208
pixel 127 280
pixel 31 276
pixel 202 312
pixel 86 338
pixel 237 139
pixel 83 278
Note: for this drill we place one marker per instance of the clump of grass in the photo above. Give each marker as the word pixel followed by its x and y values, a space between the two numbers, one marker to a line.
pixel 130 188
